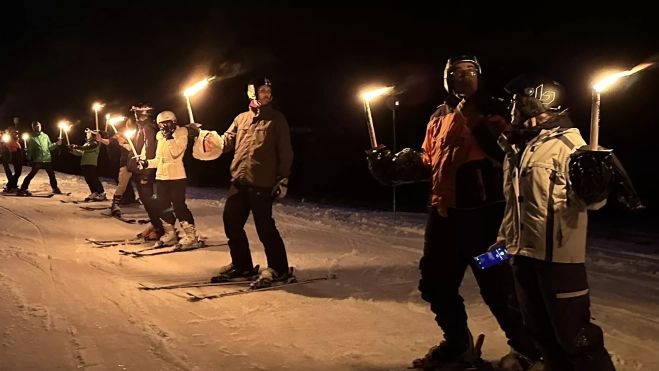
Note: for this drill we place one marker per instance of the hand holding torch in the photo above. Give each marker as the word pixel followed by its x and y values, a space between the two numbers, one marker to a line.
pixel 367 97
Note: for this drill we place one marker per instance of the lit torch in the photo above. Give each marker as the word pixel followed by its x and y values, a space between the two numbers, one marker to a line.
pixel 6 138
pixel 194 89
pixel 63 125
pixel 107 121
pixel 129 134
pixel 598 88
pixel 97 107
pixel 367 97
pixel 26 136
pixel 114 121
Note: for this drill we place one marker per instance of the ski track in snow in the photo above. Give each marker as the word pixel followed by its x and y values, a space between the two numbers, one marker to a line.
pixel 66 305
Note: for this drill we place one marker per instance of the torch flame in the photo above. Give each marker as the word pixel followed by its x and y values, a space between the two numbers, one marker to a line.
pixel 62 125
pixel 116 120
pixel 26 136
pixel 368 95
pixel 6 138
pixel 611 79
pixel 107 117
pixel 194 89
pixel 97 106
pixel 129 133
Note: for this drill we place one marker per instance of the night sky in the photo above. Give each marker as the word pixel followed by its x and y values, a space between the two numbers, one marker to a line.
pixel 59 59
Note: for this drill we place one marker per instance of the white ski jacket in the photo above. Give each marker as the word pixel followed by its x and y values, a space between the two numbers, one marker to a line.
pixel 543 219
pixel 169 155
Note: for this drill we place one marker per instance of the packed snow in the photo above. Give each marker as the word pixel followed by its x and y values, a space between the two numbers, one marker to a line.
pixel 65 305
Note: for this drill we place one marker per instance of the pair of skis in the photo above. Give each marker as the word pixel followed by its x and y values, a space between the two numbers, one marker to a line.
pixel 164 250
pixel 50 195
pixel 293 281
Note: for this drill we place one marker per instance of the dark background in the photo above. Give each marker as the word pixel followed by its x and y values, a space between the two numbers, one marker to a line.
pixel 58 59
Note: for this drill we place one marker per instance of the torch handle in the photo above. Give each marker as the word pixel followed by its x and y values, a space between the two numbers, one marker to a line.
pixel 595 122
pixel 132 147
pixel 187 101
pixel 371 129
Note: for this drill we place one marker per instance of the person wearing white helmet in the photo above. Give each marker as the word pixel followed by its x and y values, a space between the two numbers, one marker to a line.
pixel 171 181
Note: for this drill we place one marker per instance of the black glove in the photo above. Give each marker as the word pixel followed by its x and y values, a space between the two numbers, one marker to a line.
pixel 404 167
pixel 380 164
pixel 591 174
pixel 142 164
pixel 193 130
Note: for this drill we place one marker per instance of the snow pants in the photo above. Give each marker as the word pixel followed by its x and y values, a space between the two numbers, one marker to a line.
pixel 555 305
pixel 145 191
pixel 241 201
pixel 451 243
pixel 48 166
pixel 171 195
pixel 90 172
pixel 16 159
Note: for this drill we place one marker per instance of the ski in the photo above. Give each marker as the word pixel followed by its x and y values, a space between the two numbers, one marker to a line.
pixel 117 240
pixel 38 196
pixel 275 286
pixel 195 284
pixel 90 208
pixel 78 201
pixel 126 220
pixel 144 253
pixel 112 244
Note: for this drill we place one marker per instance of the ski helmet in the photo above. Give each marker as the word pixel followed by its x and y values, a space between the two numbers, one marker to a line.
pixel 254 85
pixel 534 95
pixel 450 67
pixel 143 112
pixel 166 122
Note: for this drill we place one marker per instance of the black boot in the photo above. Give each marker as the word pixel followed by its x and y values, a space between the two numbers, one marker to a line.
pixel 456 349
pixel 114 208
pixel 230 273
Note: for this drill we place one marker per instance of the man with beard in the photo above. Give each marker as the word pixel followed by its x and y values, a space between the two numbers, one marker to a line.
pixel 464 167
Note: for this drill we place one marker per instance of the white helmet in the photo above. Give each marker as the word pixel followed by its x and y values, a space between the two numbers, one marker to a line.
pixel 166 116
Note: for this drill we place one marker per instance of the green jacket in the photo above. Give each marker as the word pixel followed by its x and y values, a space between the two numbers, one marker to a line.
pixel 39 147
pixel 89 153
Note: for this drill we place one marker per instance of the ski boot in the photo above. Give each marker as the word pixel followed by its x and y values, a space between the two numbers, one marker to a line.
pixel 57 191
pixel 269 276
pixel 455 353
pixel 90 197
pixel 191 239
pixel 170 238
pixel 115 210
pixel 150 234
pixel 10 190
pixel 230 273
pixel 515 361
pixel 23 193
pixel 100 197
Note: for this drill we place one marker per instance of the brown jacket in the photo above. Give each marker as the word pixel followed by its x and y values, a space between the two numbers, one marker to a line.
pixel 262 144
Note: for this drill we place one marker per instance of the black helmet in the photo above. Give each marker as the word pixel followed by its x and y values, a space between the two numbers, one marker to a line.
pixel 450 65
pixel 143 112
pixel 534 95
pixel 254 85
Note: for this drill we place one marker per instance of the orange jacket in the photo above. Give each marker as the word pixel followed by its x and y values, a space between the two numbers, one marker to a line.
pixel 458 164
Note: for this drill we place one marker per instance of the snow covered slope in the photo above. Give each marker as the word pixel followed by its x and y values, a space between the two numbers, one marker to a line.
pixel 65 305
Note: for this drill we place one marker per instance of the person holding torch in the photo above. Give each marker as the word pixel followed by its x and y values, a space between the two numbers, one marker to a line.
pixel 260 169
pixel 39 150
pixel 89 162
pixel 463 165
pixel 551 179
pixel 12 153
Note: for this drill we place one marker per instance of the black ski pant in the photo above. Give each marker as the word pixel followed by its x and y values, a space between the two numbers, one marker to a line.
pixel 145 191
pixel 15 159
pixel 171 195
pixel 90 172
pixel 241 200
pixel 555 305
pixel 451 243
pixel 48 166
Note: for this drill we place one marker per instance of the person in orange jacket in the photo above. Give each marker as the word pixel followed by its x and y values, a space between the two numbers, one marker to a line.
pixel 463 165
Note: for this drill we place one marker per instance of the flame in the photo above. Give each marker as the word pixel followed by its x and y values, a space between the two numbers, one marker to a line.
pixel 611 79
pixel 97 106
pixel 129 133
pixel 66 128
pixel 62 124
pixel 116 120
pixel 107 117
pixel 194 89
pixel 368 95
pixel 6 138
pixel 26 136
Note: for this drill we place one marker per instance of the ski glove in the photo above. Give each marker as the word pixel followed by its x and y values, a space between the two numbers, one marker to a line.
pixel 281 188
pixel 591 174
pixel 142 164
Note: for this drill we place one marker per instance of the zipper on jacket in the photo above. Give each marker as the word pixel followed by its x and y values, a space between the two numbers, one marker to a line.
pixel 549 234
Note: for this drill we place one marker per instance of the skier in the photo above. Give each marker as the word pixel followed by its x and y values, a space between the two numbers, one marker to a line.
pixel 259 173
pixel 171 181
pixel 551 180
pixel 466 210
pixel 89 162
pixel 124 193
pixel 12 153
pixel 38 154
pixel 144 179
